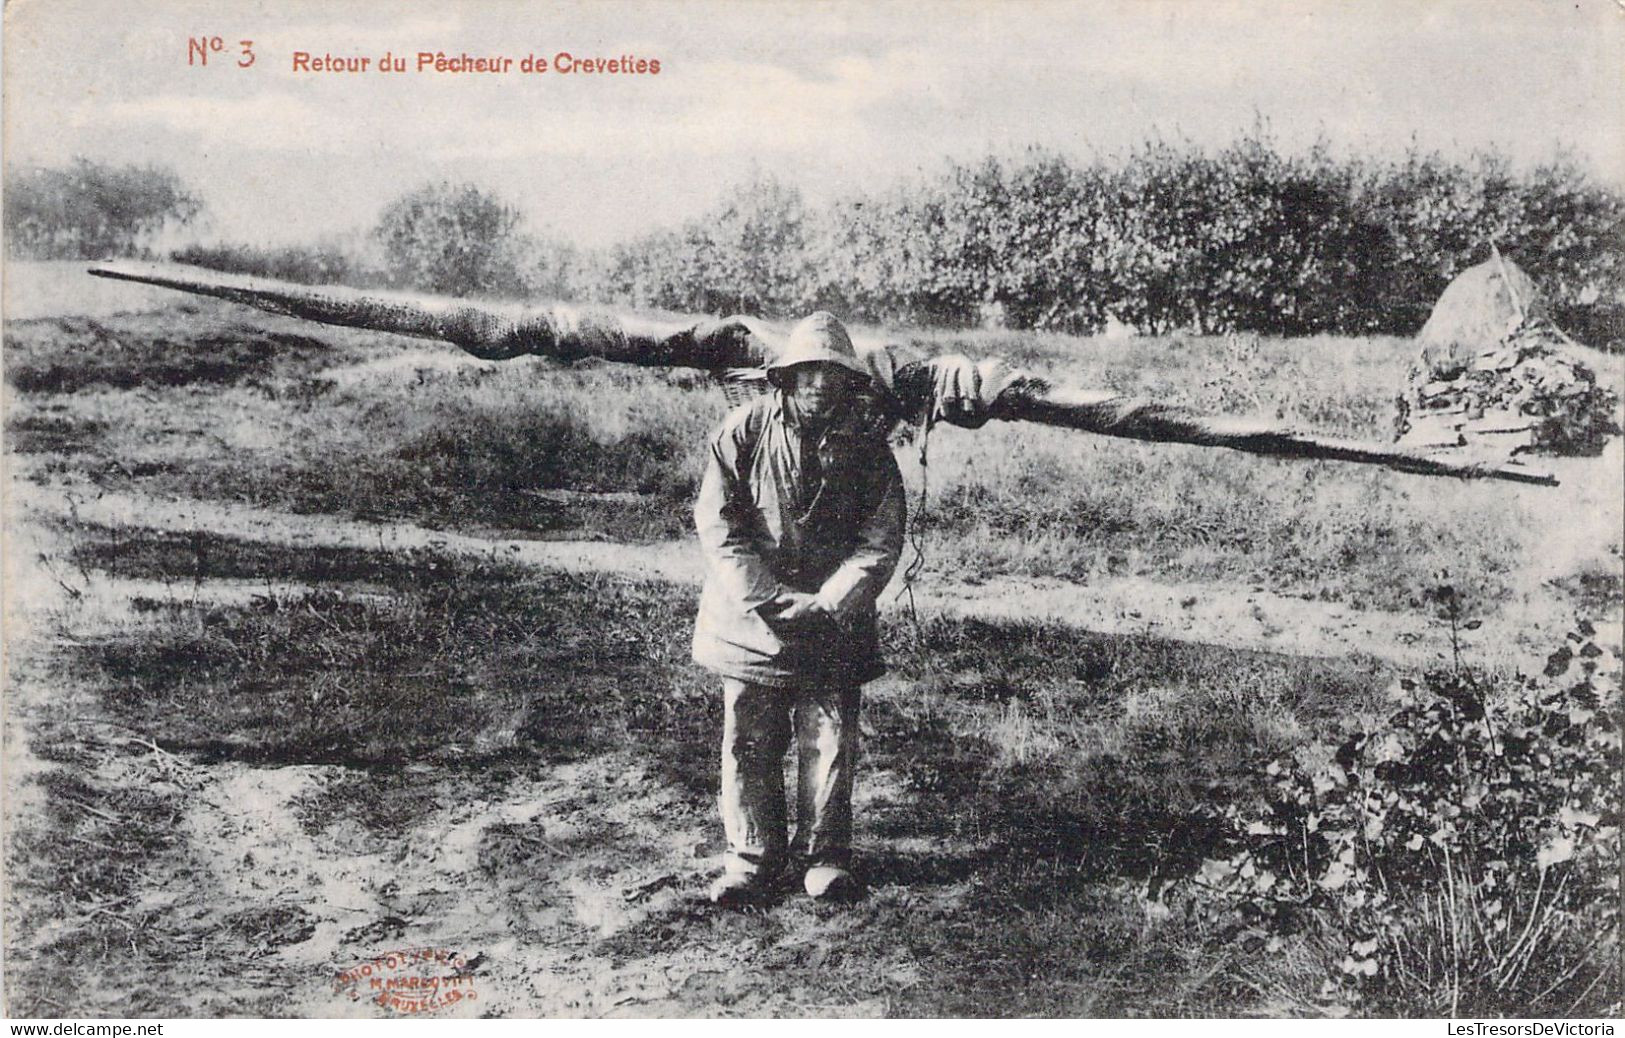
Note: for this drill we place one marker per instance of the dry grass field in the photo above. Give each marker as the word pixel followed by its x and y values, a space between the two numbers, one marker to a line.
pixel 359 709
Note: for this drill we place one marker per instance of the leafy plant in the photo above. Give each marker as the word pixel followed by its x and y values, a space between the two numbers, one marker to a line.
pixel 1460 854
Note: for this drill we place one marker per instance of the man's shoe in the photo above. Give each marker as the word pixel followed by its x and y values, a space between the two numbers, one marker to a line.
pixel 735 890
pixel 832 883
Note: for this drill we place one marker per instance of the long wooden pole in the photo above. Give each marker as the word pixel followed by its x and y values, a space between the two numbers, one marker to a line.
pixel 501 331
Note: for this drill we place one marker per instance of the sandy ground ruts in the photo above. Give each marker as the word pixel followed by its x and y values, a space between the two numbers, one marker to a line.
pixel 1222 615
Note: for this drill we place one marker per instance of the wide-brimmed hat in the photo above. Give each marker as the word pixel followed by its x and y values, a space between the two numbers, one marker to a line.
pixel 818 338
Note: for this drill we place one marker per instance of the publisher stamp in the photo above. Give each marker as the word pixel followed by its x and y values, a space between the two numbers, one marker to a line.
pixel 412 982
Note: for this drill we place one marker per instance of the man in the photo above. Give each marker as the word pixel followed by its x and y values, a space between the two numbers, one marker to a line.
pixel 800 517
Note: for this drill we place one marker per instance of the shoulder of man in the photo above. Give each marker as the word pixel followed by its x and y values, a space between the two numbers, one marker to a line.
pixel 742 427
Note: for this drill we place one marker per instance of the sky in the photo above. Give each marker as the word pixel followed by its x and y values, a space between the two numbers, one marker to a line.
pixel 829 96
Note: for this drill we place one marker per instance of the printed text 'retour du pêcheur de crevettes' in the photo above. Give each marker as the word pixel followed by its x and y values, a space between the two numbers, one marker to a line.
pixel 451 63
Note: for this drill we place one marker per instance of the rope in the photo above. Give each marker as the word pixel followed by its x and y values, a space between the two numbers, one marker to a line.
pixel 916 540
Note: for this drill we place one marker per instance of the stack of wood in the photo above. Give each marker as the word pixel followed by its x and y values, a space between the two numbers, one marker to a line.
pixel 1496 372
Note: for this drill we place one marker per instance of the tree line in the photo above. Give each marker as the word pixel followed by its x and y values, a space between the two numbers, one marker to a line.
pixel 1169 236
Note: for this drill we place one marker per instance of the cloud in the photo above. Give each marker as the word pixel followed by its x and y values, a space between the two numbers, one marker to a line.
pixel 261 122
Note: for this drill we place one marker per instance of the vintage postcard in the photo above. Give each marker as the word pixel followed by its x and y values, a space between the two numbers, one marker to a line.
pixel 760 509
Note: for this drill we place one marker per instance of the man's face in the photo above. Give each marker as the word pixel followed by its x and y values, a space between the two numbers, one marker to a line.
pixel 820 391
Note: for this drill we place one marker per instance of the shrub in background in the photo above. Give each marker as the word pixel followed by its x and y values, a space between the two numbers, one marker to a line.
pixel 1173 237
pixel 90 210
pixel 749 255
pixel 1034 238
pixel 455 240
pixel 889 258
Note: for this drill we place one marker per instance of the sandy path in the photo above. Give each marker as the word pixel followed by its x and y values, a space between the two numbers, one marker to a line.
pixel 1221 615
pixel 491 876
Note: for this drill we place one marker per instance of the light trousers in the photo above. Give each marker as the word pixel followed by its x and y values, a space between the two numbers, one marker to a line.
pixel 757 726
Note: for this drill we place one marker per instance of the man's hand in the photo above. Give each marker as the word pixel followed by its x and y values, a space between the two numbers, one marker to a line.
pixel 794 609
pixel 963 391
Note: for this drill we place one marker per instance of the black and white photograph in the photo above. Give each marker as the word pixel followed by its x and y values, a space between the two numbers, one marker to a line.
pixel 1012 509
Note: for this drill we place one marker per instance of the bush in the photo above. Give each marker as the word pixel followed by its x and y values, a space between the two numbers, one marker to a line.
pixel 454 240
pixel 1460 855
pixel 748 255
pixel 88 210
pixel 888 259
pixel 985 243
